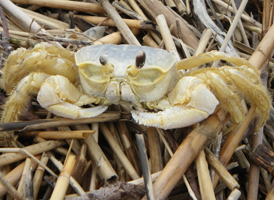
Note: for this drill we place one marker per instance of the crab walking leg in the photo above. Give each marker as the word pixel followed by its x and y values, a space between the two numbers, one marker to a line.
pixel 257 96
pixel 228 99
pixel 59 96
pixel 204 58
pixel 17 101
pixel 191 102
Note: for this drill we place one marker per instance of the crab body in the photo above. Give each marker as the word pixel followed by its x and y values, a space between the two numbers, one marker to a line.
pixel 139 76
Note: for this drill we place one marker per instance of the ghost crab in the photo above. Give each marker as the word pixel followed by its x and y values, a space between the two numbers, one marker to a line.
pixel 145 77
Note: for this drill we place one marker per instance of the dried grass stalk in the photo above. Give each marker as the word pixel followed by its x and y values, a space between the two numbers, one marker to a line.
pixel 186 153
pixel 21 183
pixel 119 152
pixel 206 189
pixel 221 170
pixel 38 176
pixel 144 165
pixel 11 190
pixel 158 8
pixel 63 180
pixel 64 134
pixel 68 5
pixel 154 150
pixel 120 24
pixel 148 41
pixel 104 21
pixel 14 175
pixel 20 18
pixel 166 35
pixel 129 147
pixel 78 189
pixel 99 160
pixel 203 42
pixel 35 149
pixel 79 169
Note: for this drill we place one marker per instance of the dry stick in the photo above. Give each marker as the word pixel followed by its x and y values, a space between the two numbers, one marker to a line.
pixel 35 149
pixel 243 16
pixel 129 148
pixel 154 150
pixel 80 165
pixel 64 134
pixel 186 153
pixel 118 151
pixel 113 38
pixel 74 144
pixel 13 176
pixel 232 142
pixel 240 25
pixel 38 176
pixel 266 16
pixel 258 59
pixel 49 123
pixel 207 191
pixel 46 21
pixel 181 7
pixel 11 190
pixel 170 46
pixel 234 195
pixel 20 18
pixel 5 33
pixel 148 41
pixel 206 35
pixel 100 161
pixel 201 12
pixel 137 9
pixel 92 186
pixel 21 150
pixel 28 186
pixel 231 29
pixel 78 189
pixel 63 180
pixel 266 179
pixel 68 5
pixel 21 183
pixel 158 8
pixel 264 158
pixel 221 170
pixel 123 7
pixel 131 23
pixel 192 194
pixel 122 27
pixel 60 150
pixel 254 171
pixel 144 165
pixel 270 194
pixel 170 3
pixel 220 25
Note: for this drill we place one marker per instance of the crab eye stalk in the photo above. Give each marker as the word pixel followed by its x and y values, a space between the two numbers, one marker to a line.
pixel 140 59
pixel 103 59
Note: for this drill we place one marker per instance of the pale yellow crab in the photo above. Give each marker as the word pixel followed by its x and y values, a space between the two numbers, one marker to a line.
pixel 140 76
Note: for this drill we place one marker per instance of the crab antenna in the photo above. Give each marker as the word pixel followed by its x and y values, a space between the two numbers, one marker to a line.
pixel 103 59
pixel 140 59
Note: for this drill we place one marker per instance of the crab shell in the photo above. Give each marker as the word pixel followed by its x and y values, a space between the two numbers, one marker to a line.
pixel 120 79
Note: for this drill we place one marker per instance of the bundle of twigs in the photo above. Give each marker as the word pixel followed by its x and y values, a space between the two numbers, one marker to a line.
pixel 111 157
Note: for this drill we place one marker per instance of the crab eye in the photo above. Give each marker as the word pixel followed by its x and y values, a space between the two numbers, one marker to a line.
pixel 103 59
pixel 140 59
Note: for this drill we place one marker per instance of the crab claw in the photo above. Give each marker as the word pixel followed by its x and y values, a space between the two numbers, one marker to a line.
pixel 191 102
pixel 59 96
